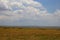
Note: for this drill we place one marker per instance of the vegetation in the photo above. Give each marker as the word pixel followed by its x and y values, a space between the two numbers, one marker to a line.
pixel 16 33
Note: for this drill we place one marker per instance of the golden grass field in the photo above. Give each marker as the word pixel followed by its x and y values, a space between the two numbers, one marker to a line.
pixel 16 33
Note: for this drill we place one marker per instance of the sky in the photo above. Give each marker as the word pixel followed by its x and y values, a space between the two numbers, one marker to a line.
pixel 50 5
pixel 30 12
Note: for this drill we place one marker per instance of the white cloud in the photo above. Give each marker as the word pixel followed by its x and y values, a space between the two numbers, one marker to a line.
pixel 13 11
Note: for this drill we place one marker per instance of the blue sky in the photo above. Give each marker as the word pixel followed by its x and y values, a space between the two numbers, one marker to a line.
pixel 30 12
pixel 50 5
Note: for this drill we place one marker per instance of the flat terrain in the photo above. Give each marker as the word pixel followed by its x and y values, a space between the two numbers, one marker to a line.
pixel 16 33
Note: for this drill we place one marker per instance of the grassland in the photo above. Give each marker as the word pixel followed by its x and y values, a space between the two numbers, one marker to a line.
pixel 16 33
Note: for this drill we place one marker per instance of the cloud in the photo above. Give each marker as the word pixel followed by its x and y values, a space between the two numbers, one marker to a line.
pixel 27 12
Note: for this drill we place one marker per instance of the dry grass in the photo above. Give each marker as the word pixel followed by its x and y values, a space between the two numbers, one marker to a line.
pixel 14 33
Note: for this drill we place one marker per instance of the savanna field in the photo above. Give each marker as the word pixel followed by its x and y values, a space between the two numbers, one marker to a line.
pixel 21 33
